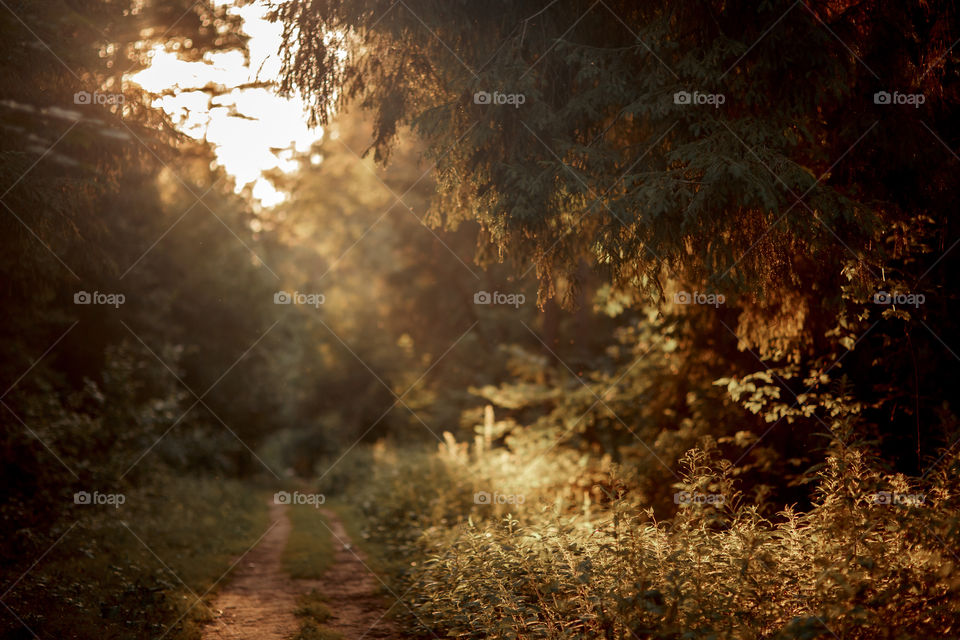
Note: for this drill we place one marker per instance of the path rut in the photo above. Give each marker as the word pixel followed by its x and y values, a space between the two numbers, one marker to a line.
pixel 351 591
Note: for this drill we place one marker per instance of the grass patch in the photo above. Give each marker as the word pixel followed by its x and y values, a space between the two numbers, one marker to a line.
pixel 311 605
pixel 132 571
pixel 310 630
pixel 309 550
pixel 313 612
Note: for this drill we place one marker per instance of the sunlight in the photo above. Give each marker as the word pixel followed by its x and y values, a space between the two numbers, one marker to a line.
pixel 572 322
pixel 252 129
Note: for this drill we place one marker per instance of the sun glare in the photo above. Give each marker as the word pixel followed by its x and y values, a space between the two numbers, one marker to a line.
pixel 252 130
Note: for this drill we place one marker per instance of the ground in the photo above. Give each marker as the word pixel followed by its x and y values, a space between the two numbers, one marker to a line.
pixel 261 599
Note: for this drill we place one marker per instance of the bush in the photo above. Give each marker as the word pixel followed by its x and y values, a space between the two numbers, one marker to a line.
pixel 851 565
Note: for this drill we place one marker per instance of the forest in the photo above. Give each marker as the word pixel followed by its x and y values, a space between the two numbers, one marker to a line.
pixel 515 319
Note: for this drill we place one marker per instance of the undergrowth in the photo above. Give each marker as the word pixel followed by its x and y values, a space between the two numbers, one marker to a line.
pixel 145 568
pixel 872 558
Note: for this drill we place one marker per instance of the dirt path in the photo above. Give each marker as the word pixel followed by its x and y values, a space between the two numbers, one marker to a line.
pixel 352 592
pixel 259 601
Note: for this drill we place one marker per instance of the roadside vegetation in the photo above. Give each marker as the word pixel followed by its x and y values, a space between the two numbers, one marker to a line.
pixel 552 567
pixel 148 567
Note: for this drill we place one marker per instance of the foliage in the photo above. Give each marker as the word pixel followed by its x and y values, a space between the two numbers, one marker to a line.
pixel 814 387
pixel 798 198
pixel 599 94
pixel 546 568
pixel 140 569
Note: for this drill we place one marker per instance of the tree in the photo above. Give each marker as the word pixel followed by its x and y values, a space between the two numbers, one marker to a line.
pixel 714 147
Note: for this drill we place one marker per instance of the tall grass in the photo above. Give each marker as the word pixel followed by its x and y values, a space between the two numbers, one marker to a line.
pixel 851 566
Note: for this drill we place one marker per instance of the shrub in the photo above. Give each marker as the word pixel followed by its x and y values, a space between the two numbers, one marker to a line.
pixel 851 564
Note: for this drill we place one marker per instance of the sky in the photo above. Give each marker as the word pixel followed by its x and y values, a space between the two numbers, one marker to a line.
pixel 243 146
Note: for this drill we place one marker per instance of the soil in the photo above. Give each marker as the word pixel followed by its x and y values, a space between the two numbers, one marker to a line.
pixel 259 601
